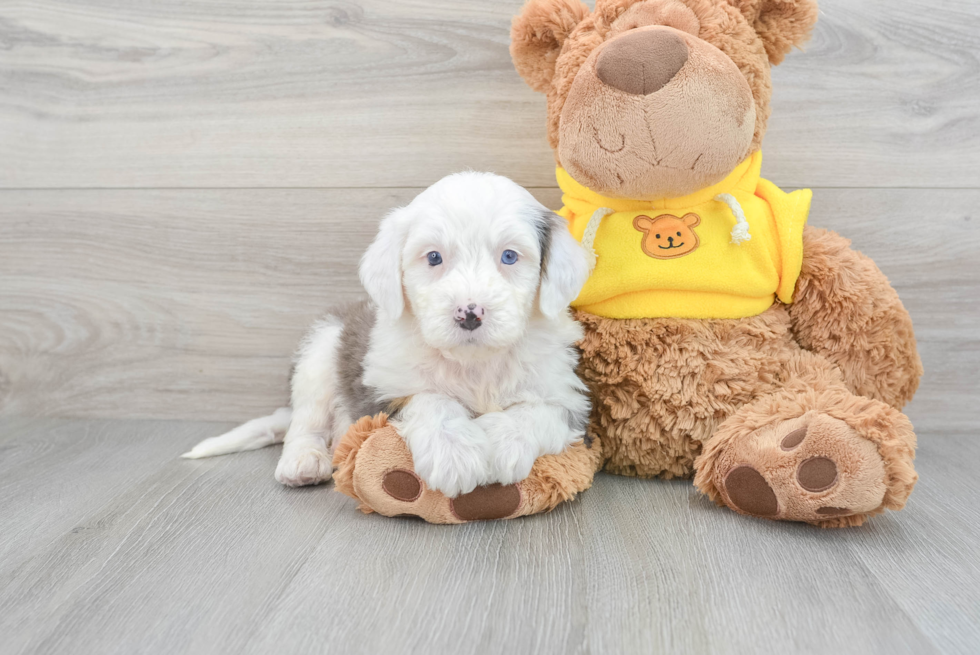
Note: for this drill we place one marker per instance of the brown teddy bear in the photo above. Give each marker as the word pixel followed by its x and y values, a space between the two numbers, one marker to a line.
pixel 725 339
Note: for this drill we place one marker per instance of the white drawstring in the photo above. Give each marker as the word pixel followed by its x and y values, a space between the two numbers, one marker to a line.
pixel 588 237
pixel 740 232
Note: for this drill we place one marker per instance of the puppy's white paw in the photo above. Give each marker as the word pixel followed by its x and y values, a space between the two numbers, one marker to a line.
pixel 513 455
pixel 301 467
pixel 513 459
pixel 454 461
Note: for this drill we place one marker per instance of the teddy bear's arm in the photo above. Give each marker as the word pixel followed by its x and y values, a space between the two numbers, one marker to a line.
pixel 845 309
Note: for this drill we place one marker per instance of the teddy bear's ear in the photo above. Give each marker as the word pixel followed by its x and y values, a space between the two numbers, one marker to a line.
pixel 781 24
pixel 537 35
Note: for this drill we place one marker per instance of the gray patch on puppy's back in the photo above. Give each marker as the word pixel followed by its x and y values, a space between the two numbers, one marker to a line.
pixel 355 340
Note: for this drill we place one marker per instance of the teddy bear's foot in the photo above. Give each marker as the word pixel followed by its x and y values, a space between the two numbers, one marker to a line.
pixel 821 467
pixel 374 466
pixel 834 464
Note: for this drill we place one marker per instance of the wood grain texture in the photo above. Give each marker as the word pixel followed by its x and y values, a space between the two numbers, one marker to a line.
pixel 908 556
pixel 188 304
pixel 314 93
pixel 214 556
pixel 84 465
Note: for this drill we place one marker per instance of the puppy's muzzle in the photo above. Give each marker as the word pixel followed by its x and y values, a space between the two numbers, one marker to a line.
pixel 469 317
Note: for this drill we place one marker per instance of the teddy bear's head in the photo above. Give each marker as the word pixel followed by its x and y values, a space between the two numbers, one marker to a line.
pixel 655 98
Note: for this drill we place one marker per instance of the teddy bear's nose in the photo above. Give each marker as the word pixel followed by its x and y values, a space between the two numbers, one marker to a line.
pixel 642 62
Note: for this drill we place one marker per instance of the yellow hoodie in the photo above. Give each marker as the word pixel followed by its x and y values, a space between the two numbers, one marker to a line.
pixel 690 257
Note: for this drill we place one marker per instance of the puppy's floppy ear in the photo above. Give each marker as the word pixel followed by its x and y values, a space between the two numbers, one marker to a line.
pixel 781 24
pixel 536 37
pixel 564 265
pixel 381 265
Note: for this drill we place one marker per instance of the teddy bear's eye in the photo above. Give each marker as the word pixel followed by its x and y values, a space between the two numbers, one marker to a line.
pixel 658 236
pixel 678 234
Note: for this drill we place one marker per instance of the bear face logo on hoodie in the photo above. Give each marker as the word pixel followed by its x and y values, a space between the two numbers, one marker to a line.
pixel 667 236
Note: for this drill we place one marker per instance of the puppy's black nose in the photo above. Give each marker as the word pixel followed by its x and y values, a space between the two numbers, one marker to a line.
pixel 471 322
pixel 469 317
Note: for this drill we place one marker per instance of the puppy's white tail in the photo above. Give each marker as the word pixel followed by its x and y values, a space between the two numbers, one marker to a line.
pixel 257 433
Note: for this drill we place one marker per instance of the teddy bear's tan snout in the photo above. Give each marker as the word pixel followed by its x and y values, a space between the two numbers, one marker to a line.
pixel 642 62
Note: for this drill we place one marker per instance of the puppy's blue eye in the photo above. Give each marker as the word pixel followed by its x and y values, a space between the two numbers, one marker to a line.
pixel 434 258
pixel 509 257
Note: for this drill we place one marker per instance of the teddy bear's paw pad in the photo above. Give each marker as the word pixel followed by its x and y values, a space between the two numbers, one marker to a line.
pixel 817 474
pixel 793 439
pixel 813 468
pixel 494 501
pixel 750 492
pixel 831 471
pixel 402 484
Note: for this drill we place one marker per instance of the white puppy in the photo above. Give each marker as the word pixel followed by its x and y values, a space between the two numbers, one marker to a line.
pixel 467 340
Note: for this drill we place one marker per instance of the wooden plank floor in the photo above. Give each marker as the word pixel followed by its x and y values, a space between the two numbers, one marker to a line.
pixel 111 544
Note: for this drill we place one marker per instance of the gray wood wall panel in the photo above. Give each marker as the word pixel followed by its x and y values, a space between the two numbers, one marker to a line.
pixel 130 299
pixel 379 93
pixel 188 304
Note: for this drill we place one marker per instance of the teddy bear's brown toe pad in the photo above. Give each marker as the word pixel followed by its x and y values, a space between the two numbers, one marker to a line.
pixel 750 492
pixel 793 439
pixel 817 474
pixel 402 485
pixel 487 503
